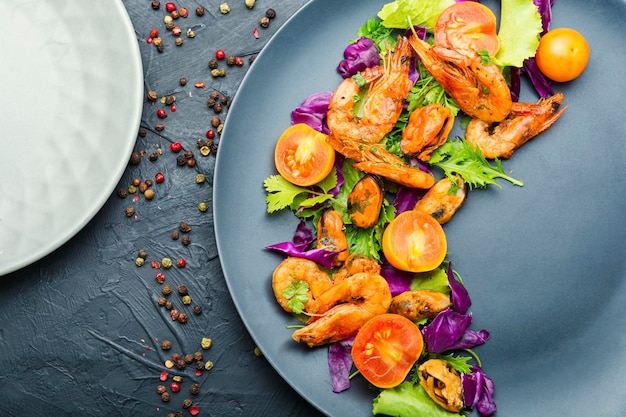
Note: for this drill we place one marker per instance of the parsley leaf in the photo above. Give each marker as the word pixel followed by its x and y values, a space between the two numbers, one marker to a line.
pixel 460 363
pixel 282 193
pixel 296 293
pixel 380 34
pixel 427 90
pixel 460 157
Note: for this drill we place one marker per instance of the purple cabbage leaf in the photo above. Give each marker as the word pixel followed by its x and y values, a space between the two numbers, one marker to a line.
pixel 478 391
pixel 312 111
pixel 459 294
pixel 358 56
pixel 340 363
pixel 450 331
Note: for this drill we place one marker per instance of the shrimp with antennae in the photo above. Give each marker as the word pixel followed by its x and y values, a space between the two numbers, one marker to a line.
pixel 525 121
pixel 387 87
pixel 479 88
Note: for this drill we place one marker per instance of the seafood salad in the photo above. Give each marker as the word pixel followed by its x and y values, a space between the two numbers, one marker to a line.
pixel 372 173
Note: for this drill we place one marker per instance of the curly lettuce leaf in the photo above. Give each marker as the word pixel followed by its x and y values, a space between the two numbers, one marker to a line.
pixel 399 13
pixel 520 27
pixel 408 400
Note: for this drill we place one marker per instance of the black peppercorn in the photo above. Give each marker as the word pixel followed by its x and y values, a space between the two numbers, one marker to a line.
pixel 169 99
pixel 210 103
pixel 162 301
pixel 217 108
pixel 182 289
pixel 156 4
pixel 130 211
pixel 153 156
pixel 230 60
pixel 197 309
pixel 174 235
pixel 200 365
pixel 213 63
pixel 159 127
pixel 166 345
pixel 184 227
pixel 166 290
pixel 122 193
pixel 182 318
pixel 200 11
pixel 181 160
pixel 215 121
pixel 187 403
pixel 182 81
pixel 169 305
pixel 194 388
pixel 197 356
pixel 188 153
pixel 142 132
pixel 165 397
pixel 135 158
pixel 270 13
pixel 186 240
pixel 180 364
pixel 161 389
pixel 142 253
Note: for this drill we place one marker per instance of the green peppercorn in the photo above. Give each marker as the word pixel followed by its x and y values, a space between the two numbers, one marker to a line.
pixel 139 261
pixel 166 263
pixel 203 207
pixel 206 343
pixel 149 194
pixel 186 300
pixel 224 8
pixel 132 189
pixel 208 365
pixel 200 178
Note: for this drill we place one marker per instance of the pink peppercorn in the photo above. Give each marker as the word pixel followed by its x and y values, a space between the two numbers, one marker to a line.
pixel 159 177
pixel 170 6
pixel 161 114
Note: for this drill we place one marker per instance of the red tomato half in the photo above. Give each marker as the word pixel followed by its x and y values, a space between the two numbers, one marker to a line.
pixel 385 349
pixel 302 155
pixel 467 25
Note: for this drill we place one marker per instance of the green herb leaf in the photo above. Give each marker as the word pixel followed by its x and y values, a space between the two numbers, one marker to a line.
pixel 460 157
pixel 397 14
pixel 427 90
pixel 408 399
pixel 296 293
pixel 280 192
pixel 460 363
pixel 381 35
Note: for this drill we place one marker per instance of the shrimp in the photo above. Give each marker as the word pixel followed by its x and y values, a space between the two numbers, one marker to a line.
pixel 354 264
pixel 401 174
pixel 345 307
pixel 427 129
pixel 330 235
pixel 292 270
pixel 442 201
pixel 479 89
pixel 388 86
pixel 525 121
pixel 419 304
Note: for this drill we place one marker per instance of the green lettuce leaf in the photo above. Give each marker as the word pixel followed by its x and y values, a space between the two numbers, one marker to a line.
pixel 408 400
pixel 399 13
pixel 520 27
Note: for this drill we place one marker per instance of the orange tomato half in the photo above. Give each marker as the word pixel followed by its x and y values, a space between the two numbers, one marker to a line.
pixel 467 25
pixel 385 349
pixel 414 241
pixel 562 54
pixel 302 155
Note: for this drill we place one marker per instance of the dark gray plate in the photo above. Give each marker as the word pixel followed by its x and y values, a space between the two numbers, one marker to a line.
pixel 545 264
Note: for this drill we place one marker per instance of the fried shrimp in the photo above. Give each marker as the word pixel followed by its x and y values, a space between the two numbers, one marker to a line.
pixel 290 271
pixel 388 86
pixel 525 121
pixel 345 307
pixel 419 304
pixel 479 88
pixel 354 264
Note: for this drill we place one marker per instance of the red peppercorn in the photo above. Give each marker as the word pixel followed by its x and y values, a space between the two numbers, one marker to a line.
pixel 161 113
pixel 220 54
pixel 239 61
pixel 154 33
pixel 174 386
pixel 148 40
pixel 210 133
pixel 176 147
pixel 160 277
pixel 194 410
pixel 173 108
pixel 170 6
pixel 181 263
pixel 163 376
pixel 159 177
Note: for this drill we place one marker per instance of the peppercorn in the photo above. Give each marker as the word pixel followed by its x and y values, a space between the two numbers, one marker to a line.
pixel 142 132
pixel 174 314
pixel 264 21
pixel 122 193
pixel 166 289
pixel 177 378
pixel 183 12
pixel 199 365
pixel 181 160
pixel 191 162
pixel 186 300
pixel 169 305
pixel 153 156
pixel 170 24
pixel 200 84
pixel 161 389
pixel 199 11
pixel 205 150
pixel 149 194
pixel 130 211
pixel 165 397
pixel 156 4
pixel 175 14
pixel 213 147
pixel 249 3
pixel 194 388
pixel 160 48
pixel 166 263
pixel 186 240
pixel 230 60
pixel 257 352
pixel 213 64
pixel 217 108
pixel 132 189
pixel 191 33
pixel 224 8
pixel 139 261
pixel 184 227
pixel 208 365
pixel 203 207
pixel 182 289
pixel 181 262
pixel 180 364
pixel 142 253
pixel 161 301
pixel 215 121
pixel 182 318
pixel 152 95
pixel 166 345
pixel 196 309
pixel 159 177
pixel 174 235
pixel 206 343
pixel 182 81
pixel 251 59
pixel 160 278
pixel 239 61
pixel 186 403
pixel 270 13
pixel 135 158
pixel 142 187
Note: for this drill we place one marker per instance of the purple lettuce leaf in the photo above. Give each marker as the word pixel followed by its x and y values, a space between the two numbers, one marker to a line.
pixel 406 198
pixel 359 55
pixel 450 331
pixel 312 111
pixel 399 281
pixel 459 295
pixel 478 391
pixel 340 363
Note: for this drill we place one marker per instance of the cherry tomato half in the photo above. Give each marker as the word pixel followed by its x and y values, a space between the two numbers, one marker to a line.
pixel 562 54
pixel 302 155
pixel 414 241
pixel 467 25
pixel 385 349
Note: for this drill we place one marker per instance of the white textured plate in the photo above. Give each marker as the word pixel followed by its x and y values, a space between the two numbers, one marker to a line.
pixel 72 90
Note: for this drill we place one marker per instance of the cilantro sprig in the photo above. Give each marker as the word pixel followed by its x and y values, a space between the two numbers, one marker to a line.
pixel 457 156
pixel 282 193
pixel 296 293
